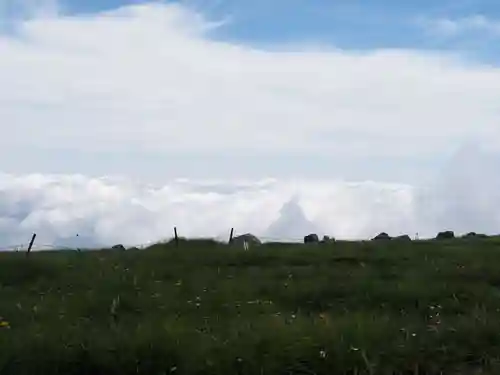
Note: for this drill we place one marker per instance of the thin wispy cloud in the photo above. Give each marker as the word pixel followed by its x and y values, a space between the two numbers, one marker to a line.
pixel 28 9
pixel 456 27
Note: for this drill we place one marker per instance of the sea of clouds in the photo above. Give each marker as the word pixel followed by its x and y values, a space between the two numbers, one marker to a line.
pixel 464 196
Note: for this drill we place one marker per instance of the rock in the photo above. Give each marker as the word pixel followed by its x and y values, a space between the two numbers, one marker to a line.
pixel 328 239
pixel 382 236
pixel 119 247
pixel 404 237
pixel 248 239
pixel 475 235
pixel 445 235
pixel 311 238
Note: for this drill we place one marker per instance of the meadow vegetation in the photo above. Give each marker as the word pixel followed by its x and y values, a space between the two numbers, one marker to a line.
pixel 376 307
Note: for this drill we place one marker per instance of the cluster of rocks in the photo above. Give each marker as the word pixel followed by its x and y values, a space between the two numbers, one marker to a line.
pixel 248 240
pixel 450 234
pixel 475 235
pixel 313 238
pixel 120 247
pixel 445 235
pixel 385 236
pixel 252 240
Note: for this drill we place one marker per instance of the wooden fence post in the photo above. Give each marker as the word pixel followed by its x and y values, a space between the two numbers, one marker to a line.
pixel 31 244
pixel 176 237
pixel 231 235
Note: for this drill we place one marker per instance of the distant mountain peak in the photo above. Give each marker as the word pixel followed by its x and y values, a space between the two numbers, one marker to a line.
pixel 292 223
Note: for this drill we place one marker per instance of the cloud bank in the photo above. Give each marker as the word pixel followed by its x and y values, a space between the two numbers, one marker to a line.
pixel 110 211
pixel 465 196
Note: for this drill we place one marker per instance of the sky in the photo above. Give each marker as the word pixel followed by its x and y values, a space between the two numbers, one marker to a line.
pixel 106 105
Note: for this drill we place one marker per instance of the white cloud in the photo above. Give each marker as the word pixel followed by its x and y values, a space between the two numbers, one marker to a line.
pixel 464 197
pixel 149 78
pixel 447 27
pixel 58 207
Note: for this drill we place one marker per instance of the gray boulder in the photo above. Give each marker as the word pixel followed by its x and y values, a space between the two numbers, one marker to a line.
pixel 382 236
pixel 445 235
pixel 311 238
pixel 403 237
pixel 246 238
pixel 328 239
pixel 475 235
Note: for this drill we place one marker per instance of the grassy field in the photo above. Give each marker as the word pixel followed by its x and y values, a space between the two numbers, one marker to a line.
pixel 426 307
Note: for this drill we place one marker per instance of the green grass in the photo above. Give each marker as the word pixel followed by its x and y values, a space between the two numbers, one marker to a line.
pixel 427 307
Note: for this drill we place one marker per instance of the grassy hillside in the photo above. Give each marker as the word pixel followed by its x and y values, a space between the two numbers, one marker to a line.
pixel 392 307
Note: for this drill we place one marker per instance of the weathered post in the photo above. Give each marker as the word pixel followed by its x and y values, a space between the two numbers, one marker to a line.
pixel 31 244
pixel 231 236
pixel 176 237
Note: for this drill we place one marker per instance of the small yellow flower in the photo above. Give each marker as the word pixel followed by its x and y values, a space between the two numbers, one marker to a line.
pixel 325 317
pixel 4 324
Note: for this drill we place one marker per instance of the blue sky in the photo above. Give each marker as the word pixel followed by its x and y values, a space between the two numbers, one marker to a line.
pixel 358 25
pixel 347 24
